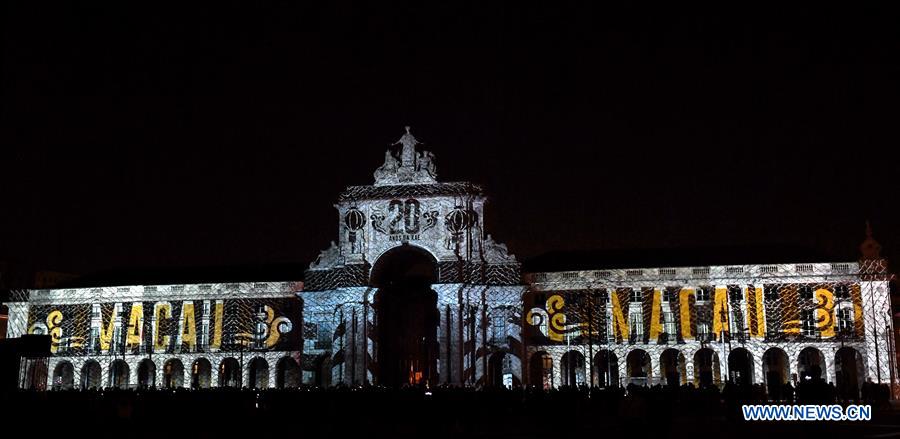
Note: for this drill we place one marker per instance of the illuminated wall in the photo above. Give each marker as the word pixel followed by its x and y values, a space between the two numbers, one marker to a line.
pixel 148 328
pixel 495 326
pixel 478 287
pixel 810 313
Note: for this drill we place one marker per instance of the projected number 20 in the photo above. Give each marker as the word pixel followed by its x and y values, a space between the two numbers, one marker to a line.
pixel 404 216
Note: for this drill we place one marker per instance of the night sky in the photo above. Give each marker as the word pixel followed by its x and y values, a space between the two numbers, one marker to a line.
pixel 166 136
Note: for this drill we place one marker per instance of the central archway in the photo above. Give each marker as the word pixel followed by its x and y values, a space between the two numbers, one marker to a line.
pixel 406 317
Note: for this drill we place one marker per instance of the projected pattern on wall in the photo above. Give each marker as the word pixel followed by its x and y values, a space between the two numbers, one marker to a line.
pixel 484 322
pixel 643 325
pixel 477 287
pixel 168 335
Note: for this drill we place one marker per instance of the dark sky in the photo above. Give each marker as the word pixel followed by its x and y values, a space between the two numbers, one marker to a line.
pixel 222 134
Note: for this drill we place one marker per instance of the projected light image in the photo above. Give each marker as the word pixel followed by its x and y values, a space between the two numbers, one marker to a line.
pixel 449 220
pixel 415 292
pixel 144 336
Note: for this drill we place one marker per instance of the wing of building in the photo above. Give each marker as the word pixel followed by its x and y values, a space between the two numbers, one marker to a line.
pixel 414 290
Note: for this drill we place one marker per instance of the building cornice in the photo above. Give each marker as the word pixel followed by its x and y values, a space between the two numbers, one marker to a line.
pixel 151 293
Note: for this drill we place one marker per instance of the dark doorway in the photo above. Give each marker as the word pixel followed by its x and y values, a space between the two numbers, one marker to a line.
pixel 64 376
pixel 706 367
pixel 572 366
pixel 638 366
pixel 740 365
pixel 673 368
pixel 541 370
pixel 496 367
pixel 606 369
pixel 118 374
pixel 90 375
pixel 288 373
pixel 230 373
pixel 173 374
pixel 811 364
pixel 201 374
pixel 146 374
pixel 406 317
pixel 848 367
pixel 775 368
pixel 259 373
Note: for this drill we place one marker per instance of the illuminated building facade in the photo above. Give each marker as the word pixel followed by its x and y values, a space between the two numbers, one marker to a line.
pixel 407 292
pixel 415 291
pixel 201 335
pixel 763 324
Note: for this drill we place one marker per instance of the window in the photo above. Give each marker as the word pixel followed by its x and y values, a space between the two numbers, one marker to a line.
pixel 636 295
pixel 114 341
pixel 736 322
pixel 204 337
pixel 771 292
pixel 669 323
pixel 324 336
pixel 841 291
pixel 310 335
pixel 808 322
pixel 669 294
pixel 703 294
pixel 94 343
pixel 636 323
pixel 845 319
pixel 610 335
pixel 734 293
pixel 806 292
pixel 498 326
pixel 703 331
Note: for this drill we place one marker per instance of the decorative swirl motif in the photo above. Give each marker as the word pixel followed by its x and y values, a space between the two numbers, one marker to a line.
pixel 377 219
pixel 271 331
pixel 277 327
pixel 555 303
pixel 38 328
pixel 55 331
pixel 824 315
pixel 539 314
pixel 552 321
pixel 558 323
pixel 824 302
pixel 431 219
pixel 283 325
